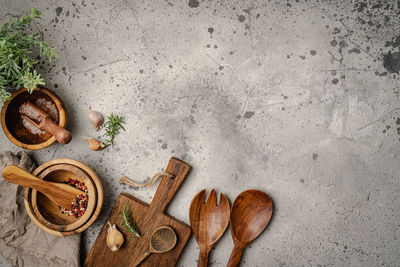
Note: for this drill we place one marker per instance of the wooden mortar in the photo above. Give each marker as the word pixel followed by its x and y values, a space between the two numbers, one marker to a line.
pixel 12 124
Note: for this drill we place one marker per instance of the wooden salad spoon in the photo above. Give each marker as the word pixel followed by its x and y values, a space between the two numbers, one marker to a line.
pixel 162 240
pixel 250 214
pixel 61 194
pixel 208 222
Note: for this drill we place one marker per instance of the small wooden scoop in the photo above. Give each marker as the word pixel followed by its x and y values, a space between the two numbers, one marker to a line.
pixel 47 124
pixel 251 212
pixel 162 240
pixel 208 222
pixel 61 194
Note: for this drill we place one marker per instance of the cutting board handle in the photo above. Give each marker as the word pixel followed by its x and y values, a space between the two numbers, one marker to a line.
pixel 169 186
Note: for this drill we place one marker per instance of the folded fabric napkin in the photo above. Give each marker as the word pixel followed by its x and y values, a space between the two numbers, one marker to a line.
pixel 22 243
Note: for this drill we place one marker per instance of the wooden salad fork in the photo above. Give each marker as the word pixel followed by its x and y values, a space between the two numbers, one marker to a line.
pixel 209 221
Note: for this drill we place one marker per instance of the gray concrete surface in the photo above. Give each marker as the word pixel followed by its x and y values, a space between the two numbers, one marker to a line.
pixel 296 98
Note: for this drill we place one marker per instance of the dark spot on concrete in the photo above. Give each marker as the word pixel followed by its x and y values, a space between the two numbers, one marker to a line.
pixel 210 30
pixel 141 71
pixel 336 30
pixel 384 131
pixel 361 7
pixel 264 158
pixel 248 114
pixel 388 127
pixel 170 66
pixel 391 62
pixel 314 156
pixel 303 57
pixel 398 130
pixel 55 85
pixel 334 43
pixel 241 18
pixel 313 52
pixel 287 56
pixel 58 11
pixel 398 121
pixel 342 44
pixel 231 53
pixel 164 146
pixel 302 181
pixel 67 14
pixel 354 50
pixel 395 43
pixel 84 58
pixel 215 46
pixel 335 81
pixel 194 3
pixel 221 68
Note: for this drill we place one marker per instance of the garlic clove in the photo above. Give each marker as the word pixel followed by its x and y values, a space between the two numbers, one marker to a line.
pixel 95 144
pixel 115 239
pixel 96 119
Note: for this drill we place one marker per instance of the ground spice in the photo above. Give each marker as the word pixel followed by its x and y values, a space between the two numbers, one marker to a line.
pixel 79 205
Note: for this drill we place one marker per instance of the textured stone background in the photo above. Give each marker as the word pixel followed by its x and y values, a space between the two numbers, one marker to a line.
pixel 296 98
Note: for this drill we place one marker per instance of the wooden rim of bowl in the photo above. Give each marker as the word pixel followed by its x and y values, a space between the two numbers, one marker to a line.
pixel 100 197
pixel 91 203
pixel 61 112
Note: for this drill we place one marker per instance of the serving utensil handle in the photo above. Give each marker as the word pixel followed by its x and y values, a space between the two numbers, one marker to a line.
pixel 236 255
pixel 203 258
pixel 142 258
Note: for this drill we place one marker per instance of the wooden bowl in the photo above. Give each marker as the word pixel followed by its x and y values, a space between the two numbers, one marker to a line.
pixel 95 214
pixel 48 212
pixel 12 123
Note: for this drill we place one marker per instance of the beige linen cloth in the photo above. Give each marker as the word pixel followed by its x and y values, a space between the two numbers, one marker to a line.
pixel 22 243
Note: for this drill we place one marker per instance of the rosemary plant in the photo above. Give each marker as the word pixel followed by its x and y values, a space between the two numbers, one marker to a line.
pixel 128 223
pixel 113 125
pixel 16 63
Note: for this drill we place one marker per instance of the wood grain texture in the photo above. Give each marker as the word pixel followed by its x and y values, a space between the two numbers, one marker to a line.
pixel 47 124
pixel 148 218
pixel 12 124
pixel 209 221
pixel 49 213
pixel 100 197
pixel 60 196
pixel 251 212
pixel 162 240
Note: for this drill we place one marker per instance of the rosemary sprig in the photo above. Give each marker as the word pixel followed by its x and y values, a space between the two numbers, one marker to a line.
pixel 17 65
pixel 113 125
pixel 128 223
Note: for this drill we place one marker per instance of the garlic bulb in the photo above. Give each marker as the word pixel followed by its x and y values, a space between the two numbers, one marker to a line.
pixel 95 144
pixel 114 238
pixel 96 119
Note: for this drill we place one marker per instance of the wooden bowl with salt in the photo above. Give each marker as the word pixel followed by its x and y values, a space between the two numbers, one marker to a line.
pixel 13 124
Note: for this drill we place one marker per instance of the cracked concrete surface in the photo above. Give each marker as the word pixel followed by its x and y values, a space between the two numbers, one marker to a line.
pixel 295 98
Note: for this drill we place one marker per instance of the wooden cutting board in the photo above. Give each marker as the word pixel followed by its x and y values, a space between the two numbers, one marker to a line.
pixel 148 218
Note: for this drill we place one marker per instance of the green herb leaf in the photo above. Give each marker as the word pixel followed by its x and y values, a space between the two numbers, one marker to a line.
pixel 113 125
pixel 127 222
pixel 16 64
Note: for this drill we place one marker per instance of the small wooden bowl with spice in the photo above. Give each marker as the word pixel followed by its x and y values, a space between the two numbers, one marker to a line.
pixel 46 215
pixel 60 219
pixel 18 130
